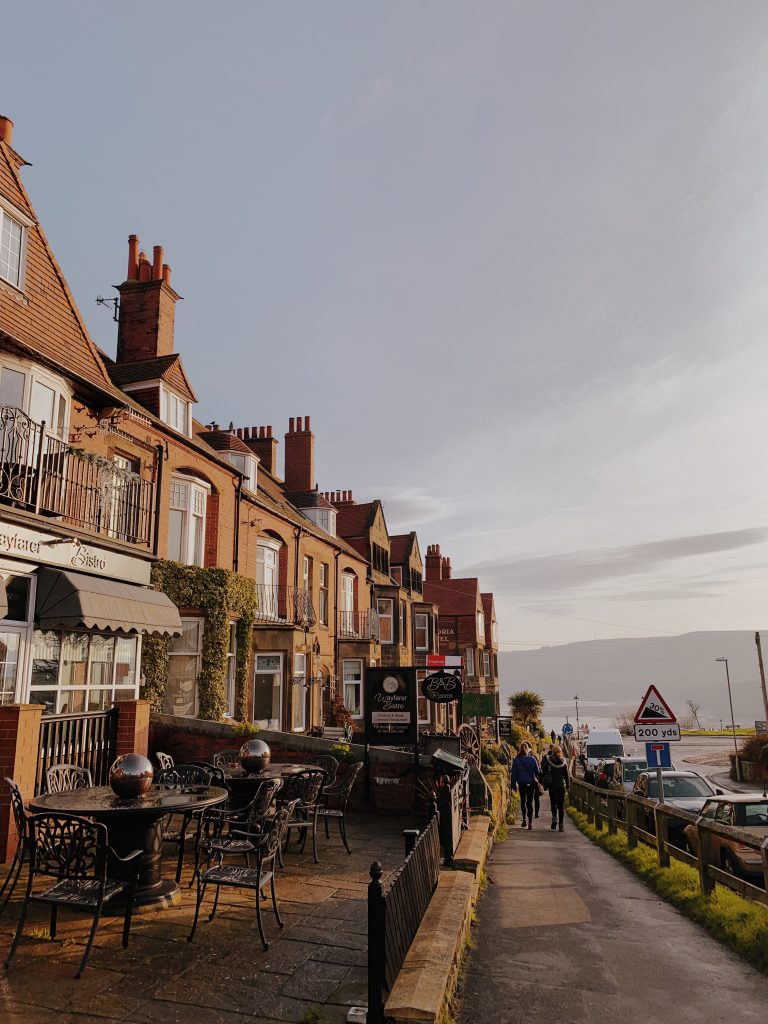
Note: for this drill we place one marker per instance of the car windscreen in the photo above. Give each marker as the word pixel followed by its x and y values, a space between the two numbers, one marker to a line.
pixel 632 769
pixel 680 788
pixel 604 750
pixel 756 815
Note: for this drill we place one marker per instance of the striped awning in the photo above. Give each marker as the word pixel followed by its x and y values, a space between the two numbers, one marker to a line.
pixel 73 600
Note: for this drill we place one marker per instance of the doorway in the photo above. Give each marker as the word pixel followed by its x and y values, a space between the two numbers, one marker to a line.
pixel 267 690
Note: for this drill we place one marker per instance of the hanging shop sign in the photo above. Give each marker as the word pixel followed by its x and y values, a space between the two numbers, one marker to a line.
pixel 441 687
pixel 391 708
pixel 481 705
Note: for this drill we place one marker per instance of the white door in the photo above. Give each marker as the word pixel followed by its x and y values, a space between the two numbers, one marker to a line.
pixel 267 690
pixel 347 604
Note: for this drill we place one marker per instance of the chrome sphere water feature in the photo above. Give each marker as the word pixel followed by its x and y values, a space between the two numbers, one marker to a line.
pixel 255 756
pixel 131 776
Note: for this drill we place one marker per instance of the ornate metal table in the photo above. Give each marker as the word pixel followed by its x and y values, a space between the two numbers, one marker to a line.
pixel 135 825
pixel 243 785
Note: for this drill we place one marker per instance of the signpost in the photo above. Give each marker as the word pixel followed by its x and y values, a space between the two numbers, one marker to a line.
pixel 567 729
pixel 390 713
pixel 504 729
pixel 656 726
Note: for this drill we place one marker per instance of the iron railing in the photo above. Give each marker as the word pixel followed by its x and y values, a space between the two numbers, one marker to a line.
pixel 396 910
pixel 41 473
pixel 284 605
pixel 87 740
pixel 359 625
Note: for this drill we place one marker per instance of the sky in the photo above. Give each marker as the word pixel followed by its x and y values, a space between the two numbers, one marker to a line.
pixel 511 257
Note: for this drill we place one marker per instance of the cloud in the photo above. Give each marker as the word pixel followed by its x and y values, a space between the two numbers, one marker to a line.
pixel 576 569
pixel 408 508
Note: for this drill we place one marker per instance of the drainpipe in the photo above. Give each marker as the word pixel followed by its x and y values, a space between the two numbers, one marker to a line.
pixel 236 545
pixel 336 620
pixel 160 456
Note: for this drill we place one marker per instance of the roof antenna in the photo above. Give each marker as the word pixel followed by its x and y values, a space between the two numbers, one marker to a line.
pixel 115 303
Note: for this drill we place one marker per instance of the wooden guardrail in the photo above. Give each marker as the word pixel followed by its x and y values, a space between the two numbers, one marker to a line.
pixel 632 815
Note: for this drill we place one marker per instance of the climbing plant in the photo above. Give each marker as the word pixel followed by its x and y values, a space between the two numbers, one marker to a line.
pixel 221 596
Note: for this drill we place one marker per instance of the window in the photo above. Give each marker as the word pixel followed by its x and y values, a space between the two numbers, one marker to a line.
pixel 348 623
pixel 416 581
pixel 421 631
pixel 480 626
pixel 380 558
pixel 325 518
pixel 423 703
pixel 174 411
pixel 183 669
pixel 306 575
pixel 232 670
pixel 470 661
pixel 13 243
pixel 487 664
pixel 397 575
pixel 43 397
pixel 75 672
pixel 298 689
pixel 323 600
pixel 385 612
pixel 494 631
pixel 186 521
pixel 353 686
pixel 248 466
pixel 403 625
pixel 267 578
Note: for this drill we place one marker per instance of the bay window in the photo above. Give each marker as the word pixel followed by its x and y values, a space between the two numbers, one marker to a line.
pixel 353 686
pixel 384 608
pixel 421 631
pixel 186 520
pixel 77 672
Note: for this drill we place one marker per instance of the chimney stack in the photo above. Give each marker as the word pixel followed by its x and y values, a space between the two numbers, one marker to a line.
pixel 299 455
pixel 446 568
pixel 6 129
pixel 263 445
pixel 147 307
pixel 433 564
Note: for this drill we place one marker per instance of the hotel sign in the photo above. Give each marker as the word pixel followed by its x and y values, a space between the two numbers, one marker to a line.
pixel 41 548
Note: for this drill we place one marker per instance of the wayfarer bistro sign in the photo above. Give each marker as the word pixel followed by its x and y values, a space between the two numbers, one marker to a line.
pixel 391 713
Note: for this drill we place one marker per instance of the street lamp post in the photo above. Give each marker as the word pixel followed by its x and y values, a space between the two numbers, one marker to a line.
pixel 578 727
pixel 733 721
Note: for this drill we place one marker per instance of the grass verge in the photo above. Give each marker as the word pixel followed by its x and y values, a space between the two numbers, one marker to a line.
pixel 736 922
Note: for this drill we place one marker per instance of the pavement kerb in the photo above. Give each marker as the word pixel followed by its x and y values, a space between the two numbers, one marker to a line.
pixel 427 979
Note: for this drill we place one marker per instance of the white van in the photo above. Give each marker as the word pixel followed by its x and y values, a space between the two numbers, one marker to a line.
pixel 602 745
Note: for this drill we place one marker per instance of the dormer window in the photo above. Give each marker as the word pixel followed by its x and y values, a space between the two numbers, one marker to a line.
pixel 42 396
pixel 325 518
pixel 13 243
pixel 175 411
pixel 248 466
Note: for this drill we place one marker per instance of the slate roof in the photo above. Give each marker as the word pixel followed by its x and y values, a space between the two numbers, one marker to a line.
pixel 167 368
pixel 455 596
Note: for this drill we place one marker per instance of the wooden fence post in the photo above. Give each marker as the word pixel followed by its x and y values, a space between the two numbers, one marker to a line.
pixel 590 807
pixel 662 834
pixel 598 811
pixel 764 855
pixel 630 811
pixel 611 801
pixel 706 881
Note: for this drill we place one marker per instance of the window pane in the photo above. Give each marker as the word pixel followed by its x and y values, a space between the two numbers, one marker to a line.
pixel 45 660
pixel 12 387
pixel 10 248
pixel 125 656
pixel 9 662
pixel 41 405
pixel 182 685
pixel 352 698
pixel 197 549
pixel 189 641
pixel 74 658
pixel 17 595
pixel 175 535
pixel 102 659
pixel 71 702
pixel 99 700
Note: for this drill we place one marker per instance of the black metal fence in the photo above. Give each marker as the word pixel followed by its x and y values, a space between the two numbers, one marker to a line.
pixel 275 603
pixel 42 473
pixel 396 910
pixel 86 740
pixel 359 625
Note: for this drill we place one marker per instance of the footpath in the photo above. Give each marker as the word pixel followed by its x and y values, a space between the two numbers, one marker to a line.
pixel 566 933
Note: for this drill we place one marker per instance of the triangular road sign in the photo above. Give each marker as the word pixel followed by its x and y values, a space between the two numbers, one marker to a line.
pixel 653 708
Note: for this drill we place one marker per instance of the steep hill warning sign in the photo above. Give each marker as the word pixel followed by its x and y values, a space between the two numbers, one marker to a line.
pixel 654 709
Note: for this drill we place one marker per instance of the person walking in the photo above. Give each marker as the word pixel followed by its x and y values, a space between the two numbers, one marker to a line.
pixel 525 775
pixel 557 779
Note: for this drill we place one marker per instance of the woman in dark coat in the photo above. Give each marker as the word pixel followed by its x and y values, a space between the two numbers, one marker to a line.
pixel 557 779
pixel 525 775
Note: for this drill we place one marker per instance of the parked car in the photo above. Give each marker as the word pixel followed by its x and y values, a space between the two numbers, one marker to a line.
pixel 601 745
pixel 685 790
pixel 628 770
pixel 745 811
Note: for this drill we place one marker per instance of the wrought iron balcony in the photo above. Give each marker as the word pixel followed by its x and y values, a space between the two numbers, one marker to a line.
pixel 41 473
pixel 359 625
pixel 284 605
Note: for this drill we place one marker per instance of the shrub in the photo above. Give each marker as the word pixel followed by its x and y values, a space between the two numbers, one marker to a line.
pixel 342 752
pixel 337 713
pixel 245 730
pixel 752 748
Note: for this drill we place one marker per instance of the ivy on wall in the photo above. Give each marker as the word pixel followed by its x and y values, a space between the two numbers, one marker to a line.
pixel 221 596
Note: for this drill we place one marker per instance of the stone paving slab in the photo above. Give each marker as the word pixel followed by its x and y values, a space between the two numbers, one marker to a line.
pixel 317 961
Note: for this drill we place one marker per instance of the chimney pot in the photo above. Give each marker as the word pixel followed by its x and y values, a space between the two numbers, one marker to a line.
pixel 133 258
pixel 306 422
pixel 291 425
pixel 166 273
pixel 6 129
pixel 157 263
pixel 269 431
pixel 298 423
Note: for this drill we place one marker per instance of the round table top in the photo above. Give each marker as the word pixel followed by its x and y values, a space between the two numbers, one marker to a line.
pixel 101 801
pixel 272 771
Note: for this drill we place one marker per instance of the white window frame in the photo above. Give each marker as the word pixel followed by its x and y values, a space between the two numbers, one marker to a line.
pixel 248 465
pixel 417 616
pixel 34 374
pixel 322 603
pixel 470 657
pixel 396 572
pixel 196 488
pixel 277 681
pixel 197 654
pixel 298 693
pixel 390 615
pixel 402 617
pixel 487 663
pixel 170 403
pixel 325 518
pixel 306 574
pixel 481 625
pixel 24 223
pixel 494 631
pixel 421 701
pixel 354 683
pixel 232 670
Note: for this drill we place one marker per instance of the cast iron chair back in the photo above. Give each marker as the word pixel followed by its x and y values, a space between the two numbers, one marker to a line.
pixel 216 772
pixel 163 760
pixel 184 775
pixel 21 854
pixel 334 802
pixel 227 759
pixel 61 778
pixel 330 766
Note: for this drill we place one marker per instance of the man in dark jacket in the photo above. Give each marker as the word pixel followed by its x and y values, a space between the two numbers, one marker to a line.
pixel 525 775
pixel 557 779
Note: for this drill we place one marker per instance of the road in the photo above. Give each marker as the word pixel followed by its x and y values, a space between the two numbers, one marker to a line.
pixel 566 933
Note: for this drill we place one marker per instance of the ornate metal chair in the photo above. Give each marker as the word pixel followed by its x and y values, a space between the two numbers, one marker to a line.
pixel 236 832
pixel 21 855
pixel 304 791
pixel 75 852
pixel 227 759
pixel 266 848
pixel 329 765
pixel 163 760
pixel 60 778
pixel 334 801
pixel 182 775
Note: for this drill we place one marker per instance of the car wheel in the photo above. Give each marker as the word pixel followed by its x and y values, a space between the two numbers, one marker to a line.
pixel 727 863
